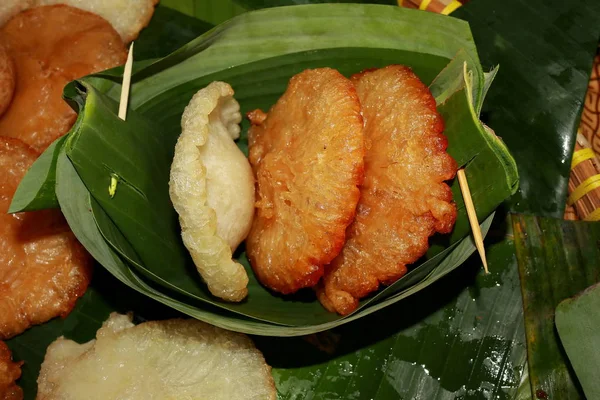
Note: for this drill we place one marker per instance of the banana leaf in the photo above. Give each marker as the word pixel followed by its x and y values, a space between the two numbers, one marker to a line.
pixel 578 325
pixel 213 11
pixel 257 4
pixel 140 224
pixel 557 259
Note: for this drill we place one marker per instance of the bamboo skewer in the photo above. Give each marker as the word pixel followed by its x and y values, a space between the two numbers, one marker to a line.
pixel 126 84
pixel 123 102
pixel 472 214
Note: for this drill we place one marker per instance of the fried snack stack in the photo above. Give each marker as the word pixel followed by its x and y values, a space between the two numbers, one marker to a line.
pixel 316 217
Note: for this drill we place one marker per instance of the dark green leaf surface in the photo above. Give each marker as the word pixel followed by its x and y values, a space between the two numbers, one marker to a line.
pixel 446 342
pixel 557 259
pixel 213 11
pixel 169 31
pixel 578 324
pixel 257 4
pixel 545 50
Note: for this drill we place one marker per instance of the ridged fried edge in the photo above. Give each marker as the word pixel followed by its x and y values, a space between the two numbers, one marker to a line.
pixel 212 254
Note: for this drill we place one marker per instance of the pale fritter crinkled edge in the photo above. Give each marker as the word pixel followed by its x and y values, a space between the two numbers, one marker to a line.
pixel 62 352
pixel 212 255
pixel 127 17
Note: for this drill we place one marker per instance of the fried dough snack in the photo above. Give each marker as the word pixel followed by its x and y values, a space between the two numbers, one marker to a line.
pixel 404 199
pixel 307 157
pixel 43 269
pixel 7 79
pixel 172 359
pixel 10 371
pixel 212 189
pixel 51 46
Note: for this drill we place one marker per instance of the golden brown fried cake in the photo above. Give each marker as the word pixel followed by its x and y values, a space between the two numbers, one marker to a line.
pixel 7 79
pixel 307 157
pixel 51 46
pixel 43 269
pixel 9 372
pixel 404 199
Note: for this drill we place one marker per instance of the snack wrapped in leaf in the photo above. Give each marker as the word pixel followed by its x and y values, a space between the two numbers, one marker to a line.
pixel 212 189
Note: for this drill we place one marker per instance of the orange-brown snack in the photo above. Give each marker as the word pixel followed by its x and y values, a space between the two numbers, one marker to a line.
pixel 10 371
pixel 43 268
pixel 404 199
pixel 307 157
pixel 7 79
pixel 51 46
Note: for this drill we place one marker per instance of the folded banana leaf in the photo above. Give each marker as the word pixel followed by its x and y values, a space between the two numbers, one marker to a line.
pixel 138 223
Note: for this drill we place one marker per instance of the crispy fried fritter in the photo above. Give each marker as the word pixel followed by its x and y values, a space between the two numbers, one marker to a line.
pixel 7 79
pixel 212 189
pixel 404 199
pixel 156 360
pixel 51 46
pixel 10 371
pixel 43 269
pixel 307 157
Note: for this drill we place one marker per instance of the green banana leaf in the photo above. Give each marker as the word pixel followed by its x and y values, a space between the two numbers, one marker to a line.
pixel 257 4
pixel 557 259
pixel 214 12
pixel 138 221
pixel 578 325
pixel 518 111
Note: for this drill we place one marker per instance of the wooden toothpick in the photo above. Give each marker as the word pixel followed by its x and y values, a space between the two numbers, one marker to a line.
pixel 126 83
pixel 475 229
pixel 114 178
